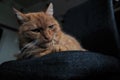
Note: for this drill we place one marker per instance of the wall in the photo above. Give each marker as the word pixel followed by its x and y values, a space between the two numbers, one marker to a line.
pixel 8 45
pixel 7 16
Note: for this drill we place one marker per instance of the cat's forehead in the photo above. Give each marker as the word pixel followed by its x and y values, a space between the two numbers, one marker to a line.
pixel 38 16
pixel 39 19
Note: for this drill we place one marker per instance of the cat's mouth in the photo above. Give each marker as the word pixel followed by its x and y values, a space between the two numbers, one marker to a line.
pixel 45 44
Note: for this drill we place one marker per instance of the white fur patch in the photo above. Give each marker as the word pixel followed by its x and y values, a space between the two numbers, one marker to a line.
pixel 50 9
pixel 19 16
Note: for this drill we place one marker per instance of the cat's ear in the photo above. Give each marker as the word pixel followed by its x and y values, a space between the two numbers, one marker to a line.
pixel 20 15
pixel 50 10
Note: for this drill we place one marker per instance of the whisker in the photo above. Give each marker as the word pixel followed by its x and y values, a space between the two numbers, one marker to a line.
pixel 29 45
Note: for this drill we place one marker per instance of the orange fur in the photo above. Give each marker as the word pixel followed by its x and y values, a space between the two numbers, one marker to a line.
pixel 46 30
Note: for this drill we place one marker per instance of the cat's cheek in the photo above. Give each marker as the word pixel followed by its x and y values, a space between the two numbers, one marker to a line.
pixel 56 29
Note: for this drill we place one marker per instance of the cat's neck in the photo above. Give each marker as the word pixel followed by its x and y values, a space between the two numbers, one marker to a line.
pixel 58 36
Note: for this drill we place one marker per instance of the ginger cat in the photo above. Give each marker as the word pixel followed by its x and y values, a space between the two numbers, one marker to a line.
pixel 40 34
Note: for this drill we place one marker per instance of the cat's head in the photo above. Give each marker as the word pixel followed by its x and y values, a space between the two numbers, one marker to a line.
pixel 40 26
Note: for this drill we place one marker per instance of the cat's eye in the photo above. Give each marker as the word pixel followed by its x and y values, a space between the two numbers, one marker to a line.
pixel 36 30
pixel 51 26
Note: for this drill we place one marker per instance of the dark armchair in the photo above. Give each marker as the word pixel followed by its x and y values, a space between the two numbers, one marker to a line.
pixel 93 24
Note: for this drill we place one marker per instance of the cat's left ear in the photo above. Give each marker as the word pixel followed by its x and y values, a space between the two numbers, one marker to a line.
pixel 20 16
pixel 50 10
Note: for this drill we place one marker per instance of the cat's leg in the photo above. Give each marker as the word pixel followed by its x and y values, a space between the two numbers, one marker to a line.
pixel 82 49
pixel 52 50
pixel 40 54
pixel 29 53
pixel 55 48
pixel 59 48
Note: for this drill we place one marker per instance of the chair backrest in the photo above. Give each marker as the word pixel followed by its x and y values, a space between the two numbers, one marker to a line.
pixel 93 24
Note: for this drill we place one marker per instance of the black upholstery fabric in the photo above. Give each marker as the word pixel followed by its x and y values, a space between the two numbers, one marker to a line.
pixel 94 25
pixel 63 66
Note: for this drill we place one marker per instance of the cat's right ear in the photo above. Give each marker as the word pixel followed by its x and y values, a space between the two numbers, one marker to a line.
pixel 50 10
pixel 20 15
